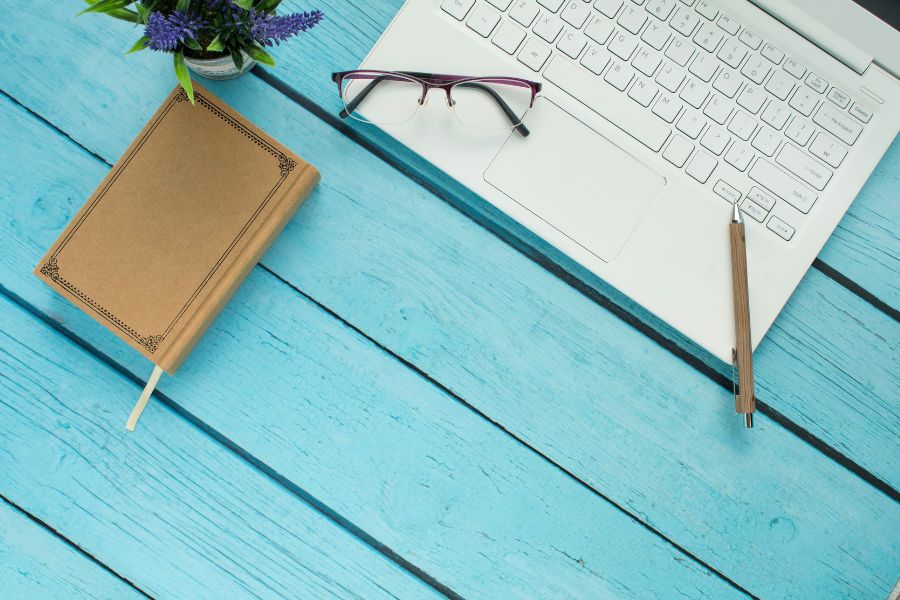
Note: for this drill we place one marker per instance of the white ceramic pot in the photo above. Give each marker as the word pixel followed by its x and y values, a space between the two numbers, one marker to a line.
pixel 219 68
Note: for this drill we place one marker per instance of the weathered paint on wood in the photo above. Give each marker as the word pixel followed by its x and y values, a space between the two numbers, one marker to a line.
pixel 271 329
pixel 852 407
pixel 34 563
pixel 359 431
pixel 171 509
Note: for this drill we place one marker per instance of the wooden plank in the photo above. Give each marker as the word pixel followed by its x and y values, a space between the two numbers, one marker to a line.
pixel 853 407
pixel 866 244
pixel 344 420
pixel 170 509
pixel 801 526
pixel 34 563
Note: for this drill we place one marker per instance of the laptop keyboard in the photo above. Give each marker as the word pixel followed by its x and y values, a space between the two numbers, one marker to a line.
pixel 701 89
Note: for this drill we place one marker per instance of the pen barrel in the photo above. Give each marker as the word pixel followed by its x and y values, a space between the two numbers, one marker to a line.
pixel 745 401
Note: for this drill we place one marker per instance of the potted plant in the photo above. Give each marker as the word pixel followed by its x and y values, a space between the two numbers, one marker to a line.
pixel 217 39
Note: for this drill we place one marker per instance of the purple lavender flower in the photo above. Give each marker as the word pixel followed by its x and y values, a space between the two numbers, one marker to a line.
pixel 166 33
pixel 270 30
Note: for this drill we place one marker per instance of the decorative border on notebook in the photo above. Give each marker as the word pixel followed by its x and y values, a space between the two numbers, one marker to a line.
pixel 151 343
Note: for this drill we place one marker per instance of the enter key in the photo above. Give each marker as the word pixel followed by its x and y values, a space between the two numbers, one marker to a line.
pixel 804 166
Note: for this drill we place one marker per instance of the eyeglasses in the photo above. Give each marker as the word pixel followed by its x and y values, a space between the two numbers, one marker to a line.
pixel 390 97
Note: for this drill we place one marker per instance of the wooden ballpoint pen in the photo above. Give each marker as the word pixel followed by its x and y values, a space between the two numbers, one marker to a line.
pixel 742 354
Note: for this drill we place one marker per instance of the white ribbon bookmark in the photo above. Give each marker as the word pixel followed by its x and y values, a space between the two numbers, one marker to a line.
pixel 145 397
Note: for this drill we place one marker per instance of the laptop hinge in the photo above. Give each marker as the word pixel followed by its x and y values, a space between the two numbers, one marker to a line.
pixel 817 33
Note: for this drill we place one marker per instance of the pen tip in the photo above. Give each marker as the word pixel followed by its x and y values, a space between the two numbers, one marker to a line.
pixel 736 214
pixel 748 420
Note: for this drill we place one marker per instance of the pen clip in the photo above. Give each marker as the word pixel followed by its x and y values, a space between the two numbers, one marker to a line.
pixel 734 371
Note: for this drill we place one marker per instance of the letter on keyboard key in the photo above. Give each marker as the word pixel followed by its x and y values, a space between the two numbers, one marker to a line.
pixel 680 50
pixel 524 12
pixel 704 66
pixel 803 167
pixel 656 35
pixel 646 61
pixel 548 27
pixel 632 19
pixel 623 45
pixel 701 166
pixel 599 29
pixel 619 76
pixel 643 91
pixel 727 82
pixel 595 59
pixel 457 8
pixel 669 77
pixel 694 93
pixel 718 109
pixel 782 185
pixel 608 103
pixel 837 123
pixel 752 98
pixel 667 107
pixel 828 149
pixel 576 13
pixel 534 54
pixel 571 43
pixel 678 150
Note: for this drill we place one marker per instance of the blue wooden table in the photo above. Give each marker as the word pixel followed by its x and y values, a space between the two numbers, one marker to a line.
pixel 411 396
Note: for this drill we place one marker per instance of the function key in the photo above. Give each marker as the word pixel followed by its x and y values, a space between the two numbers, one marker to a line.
pixel 861 112
pixel 729 24
pixel 754 210
pixel 761 198
pixel 781 228
pixel 794 68
pixel 772 53
pixel 707 10
pixel 457 8
pixel 816 83
pixel 838 97
pixel 750 38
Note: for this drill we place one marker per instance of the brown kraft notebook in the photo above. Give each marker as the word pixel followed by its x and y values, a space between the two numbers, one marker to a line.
pixel 176 226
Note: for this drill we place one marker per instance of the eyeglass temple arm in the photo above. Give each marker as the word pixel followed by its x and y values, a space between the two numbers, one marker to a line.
pixel 520 127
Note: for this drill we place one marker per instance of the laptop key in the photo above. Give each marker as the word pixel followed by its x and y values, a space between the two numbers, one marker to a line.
pixel 783 185
pixel 828 149
pixel 608 7
pixel 524 11
pixel 576 13
pixel 619 76
pixel 595 59
pixel 605 101
pixel 483 20
pixel 508 37
pixel 571 43
pixel 749 207
pixel 457 8
pixel 599 30
pixel 534 54
pixel 701 166
pixel 551 5
pixel 804 167
pixel 726 191
pixel 784 230
pixel 678 150
pixel 838 123
pixel 548 27
pixel 739 156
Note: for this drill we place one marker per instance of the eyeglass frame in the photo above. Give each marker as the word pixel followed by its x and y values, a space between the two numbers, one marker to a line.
pixel 429 81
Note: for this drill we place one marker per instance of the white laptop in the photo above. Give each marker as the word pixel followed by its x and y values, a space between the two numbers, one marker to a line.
pixel 654 116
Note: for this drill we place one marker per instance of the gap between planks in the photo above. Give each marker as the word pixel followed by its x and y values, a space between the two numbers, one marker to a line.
pixel 582 287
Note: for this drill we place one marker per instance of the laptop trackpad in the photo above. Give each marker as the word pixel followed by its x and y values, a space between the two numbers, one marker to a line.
pixel 575 179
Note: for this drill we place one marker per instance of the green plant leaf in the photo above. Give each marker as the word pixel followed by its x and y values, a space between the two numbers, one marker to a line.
pixel 183 5
pixel 125 14
pixel 143 12
pixel 245 4
pixel 238 59
pixel 193 45
pixel 216 45
pixel 139 45
pixel 104 6
pixel 260 55
pixel 183 75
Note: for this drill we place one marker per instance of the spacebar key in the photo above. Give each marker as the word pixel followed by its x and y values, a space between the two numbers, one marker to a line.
pixel 600 97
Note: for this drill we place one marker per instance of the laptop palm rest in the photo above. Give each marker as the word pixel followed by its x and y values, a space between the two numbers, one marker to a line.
pixel 575 180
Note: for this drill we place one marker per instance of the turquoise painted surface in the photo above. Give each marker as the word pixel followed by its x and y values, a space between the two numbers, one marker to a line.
pixel 609 487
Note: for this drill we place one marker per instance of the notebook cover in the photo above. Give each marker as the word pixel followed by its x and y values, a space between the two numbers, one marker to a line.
pixel 176 225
